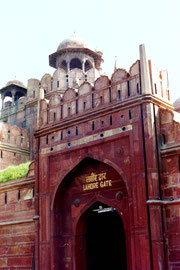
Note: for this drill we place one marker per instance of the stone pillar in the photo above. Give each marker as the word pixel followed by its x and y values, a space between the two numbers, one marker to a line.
pixel 83 66
pixel 2 100
pixel 68 67
pixel 41 96
pixel 13 92
pixel 145 79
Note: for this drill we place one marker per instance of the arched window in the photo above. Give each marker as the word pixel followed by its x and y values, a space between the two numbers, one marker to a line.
pixel 88 65
pixel 18 95
pixel 63 65
pixel 75 63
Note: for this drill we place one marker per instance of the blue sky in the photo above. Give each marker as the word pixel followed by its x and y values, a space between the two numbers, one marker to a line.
pixel 30 30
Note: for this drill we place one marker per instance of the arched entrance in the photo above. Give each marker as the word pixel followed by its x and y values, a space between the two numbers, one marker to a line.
pixel 105 239
pixel 89 232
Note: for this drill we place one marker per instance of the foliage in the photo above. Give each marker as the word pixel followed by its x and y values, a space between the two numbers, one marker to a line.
pixel 14 172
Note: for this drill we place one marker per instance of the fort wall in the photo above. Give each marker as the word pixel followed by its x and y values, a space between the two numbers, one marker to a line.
pixel 14 145
pixel 17 224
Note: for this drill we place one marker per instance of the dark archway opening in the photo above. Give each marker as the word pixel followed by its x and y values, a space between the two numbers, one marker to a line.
pixel 88 66
pixel 75 222
pixel 105 239
pixel 63 65
pixel 18 95
pixel 75 63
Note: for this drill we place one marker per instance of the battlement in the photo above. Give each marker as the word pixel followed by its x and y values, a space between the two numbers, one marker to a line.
pixel 13 109
pixel 14 145
pixel 14 135
pixel 122 86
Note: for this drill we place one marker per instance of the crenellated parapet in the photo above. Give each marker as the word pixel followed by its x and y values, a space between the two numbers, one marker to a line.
pixel 170 128
pixel 76 101
pixel 14 145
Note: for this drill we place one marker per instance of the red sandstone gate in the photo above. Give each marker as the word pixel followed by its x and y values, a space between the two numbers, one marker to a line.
pixel 92 193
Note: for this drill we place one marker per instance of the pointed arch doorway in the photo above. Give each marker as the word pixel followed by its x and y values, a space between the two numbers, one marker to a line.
pixel 104 239
pixel 90 219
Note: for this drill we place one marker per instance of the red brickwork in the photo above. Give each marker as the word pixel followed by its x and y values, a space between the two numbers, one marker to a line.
pixel 170 154
pixel 17 226
pixel 14 145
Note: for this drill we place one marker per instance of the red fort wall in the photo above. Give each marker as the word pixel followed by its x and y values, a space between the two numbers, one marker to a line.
pixel 17 223
pixel 14 145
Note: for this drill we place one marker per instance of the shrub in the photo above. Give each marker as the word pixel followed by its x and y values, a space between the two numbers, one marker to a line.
pixel 14 172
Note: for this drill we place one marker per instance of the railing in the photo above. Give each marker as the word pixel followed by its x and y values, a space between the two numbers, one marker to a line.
pixel 8 111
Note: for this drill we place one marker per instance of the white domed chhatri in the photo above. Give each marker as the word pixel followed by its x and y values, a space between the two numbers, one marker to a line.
pixel 74 42
pixel 16 82
pixel 76 53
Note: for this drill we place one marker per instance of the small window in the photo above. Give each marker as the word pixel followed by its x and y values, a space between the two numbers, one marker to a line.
pixel 101 100
pixel 130 116
pixel 93 125
pixel 61 135
pixel 163 139
pixel 19 195
pixel 76 131
pixel 138 88
pixel 54 116
pixel 52 138
pixel 84 106
pixel 109 94
pixel 69 132
pixel 119 94
pixel 5 198
pixel 47 139
pixel 69 144
pixel 33 94
pixel 102 124
pixel 110 120
pixel 57 84
pixel 128 86
pixel 1 154
pixel 14 154
pixel 69 111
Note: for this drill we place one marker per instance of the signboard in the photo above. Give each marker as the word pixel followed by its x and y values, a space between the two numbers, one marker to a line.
pixel 95 181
